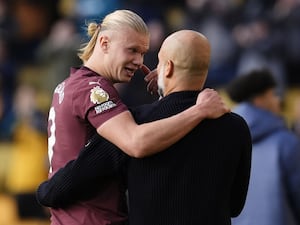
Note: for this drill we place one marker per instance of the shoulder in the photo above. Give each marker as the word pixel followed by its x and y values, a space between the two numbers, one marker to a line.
pixel 234 119
pixel 232 124
pixel 86 83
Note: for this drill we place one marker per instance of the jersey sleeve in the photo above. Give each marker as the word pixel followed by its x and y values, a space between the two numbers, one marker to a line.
pixel 98 101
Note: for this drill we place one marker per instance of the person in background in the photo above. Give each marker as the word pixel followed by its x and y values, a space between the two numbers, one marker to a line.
pixel 201 179
pixel 274 189
pixel 28 163
pixel 87 103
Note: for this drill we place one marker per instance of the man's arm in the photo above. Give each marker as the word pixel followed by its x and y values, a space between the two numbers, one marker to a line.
pixel 241 181
pixel 150 138
pixel 81 179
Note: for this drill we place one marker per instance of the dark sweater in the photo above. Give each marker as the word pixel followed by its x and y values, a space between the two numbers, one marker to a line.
pixel 202 179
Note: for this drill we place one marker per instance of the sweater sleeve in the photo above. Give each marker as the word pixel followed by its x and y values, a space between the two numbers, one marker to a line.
pixel 80 179
pixel 241 180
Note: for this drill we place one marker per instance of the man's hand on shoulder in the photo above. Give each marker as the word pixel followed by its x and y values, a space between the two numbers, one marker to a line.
pixel 211 104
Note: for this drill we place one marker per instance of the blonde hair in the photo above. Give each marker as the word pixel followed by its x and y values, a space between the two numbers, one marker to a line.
pixel 112 21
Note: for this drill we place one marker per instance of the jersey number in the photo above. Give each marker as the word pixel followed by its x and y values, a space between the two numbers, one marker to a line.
pixel 51 139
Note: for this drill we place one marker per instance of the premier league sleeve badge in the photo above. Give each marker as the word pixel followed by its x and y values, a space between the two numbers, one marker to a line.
pixel 98 95
pixel 101 99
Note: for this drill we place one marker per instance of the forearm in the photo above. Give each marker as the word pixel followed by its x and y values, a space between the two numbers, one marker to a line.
pixel 78 179
pixel 149 138
pixel 51 193
pixel 167 131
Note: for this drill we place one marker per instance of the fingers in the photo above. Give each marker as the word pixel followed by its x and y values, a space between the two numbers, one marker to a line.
pixel 152 86
pixel 212 103
pixel 149 87
pixel 151 75
pixel 145 69
pixel 151 79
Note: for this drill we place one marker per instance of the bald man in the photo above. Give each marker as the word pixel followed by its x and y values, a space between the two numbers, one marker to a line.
pixel 202 179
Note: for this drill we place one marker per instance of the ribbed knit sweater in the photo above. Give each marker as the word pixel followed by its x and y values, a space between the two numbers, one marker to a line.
pixel 202 179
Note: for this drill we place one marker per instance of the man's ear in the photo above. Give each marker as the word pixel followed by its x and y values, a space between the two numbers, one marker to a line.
pixel 103 40
pixel 169 68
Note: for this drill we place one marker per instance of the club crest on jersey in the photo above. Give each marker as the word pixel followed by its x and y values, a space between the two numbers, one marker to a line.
pixel 98 95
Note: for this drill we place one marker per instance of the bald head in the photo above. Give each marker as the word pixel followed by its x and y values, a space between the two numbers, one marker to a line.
pixel 189 51
pixel 183 62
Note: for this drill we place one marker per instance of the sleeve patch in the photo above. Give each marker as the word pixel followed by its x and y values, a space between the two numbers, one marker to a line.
pixel 104 106
pixel 98 95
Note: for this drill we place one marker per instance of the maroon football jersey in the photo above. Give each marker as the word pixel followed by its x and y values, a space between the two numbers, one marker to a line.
pixel 80 105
